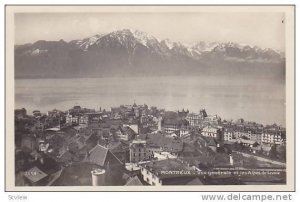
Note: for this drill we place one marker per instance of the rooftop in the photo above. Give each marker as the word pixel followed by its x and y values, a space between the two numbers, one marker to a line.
pixel 134 181
pixel 100 155
pixel 169 143
pixel 182 180
pixel 97 155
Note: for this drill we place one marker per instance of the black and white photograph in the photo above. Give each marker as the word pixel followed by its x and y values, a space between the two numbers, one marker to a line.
pixel 150 97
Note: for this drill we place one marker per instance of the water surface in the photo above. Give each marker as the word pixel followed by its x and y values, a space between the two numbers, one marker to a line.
pixel 232 98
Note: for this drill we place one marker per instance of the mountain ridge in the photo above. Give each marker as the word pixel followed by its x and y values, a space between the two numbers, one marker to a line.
pixel 135 53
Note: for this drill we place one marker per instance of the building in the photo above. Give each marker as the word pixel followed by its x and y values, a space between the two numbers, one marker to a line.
pixel 166 172
pixel 36 113
pixel 183 132
pixel 100 156
pixel 213 131
pixel 54 113
pixel 247 143
pixel 103 158
pixel 38 126
pixel 161 142
pixel 139 152
pixel 194 119
pixel 173 125
pixel 134 181
pixel 133 126
pixel 84 119
pixel 20 113
pixel 144 119
pixel 72 119
pixel 126 133
pixel 212 120
pixel 228 134
pixel 257 137
pixel 272 137
pixel 182 114
pixel 78 115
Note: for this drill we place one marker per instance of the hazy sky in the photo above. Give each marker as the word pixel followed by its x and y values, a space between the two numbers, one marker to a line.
pixel 262 29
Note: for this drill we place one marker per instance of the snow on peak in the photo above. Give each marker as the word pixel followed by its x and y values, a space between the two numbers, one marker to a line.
pixel 169 43
pixel 142 37
pixel 131 37
pixel 86 43
pixel 38 52
pixel 204 46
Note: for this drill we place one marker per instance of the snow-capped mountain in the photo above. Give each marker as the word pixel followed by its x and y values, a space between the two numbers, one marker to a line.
pixel 84 44
pixel 131 38
pixel 135 52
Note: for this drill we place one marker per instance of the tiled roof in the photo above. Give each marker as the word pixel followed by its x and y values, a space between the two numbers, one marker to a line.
pixel 134 181
pixel 128 131
pixel 97 155
pixel 174 145
pixel 175 122
pixel 212 141
pixel 246 141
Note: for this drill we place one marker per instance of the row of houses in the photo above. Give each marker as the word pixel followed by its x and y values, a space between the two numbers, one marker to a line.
pixel 266 136
pixel 213 126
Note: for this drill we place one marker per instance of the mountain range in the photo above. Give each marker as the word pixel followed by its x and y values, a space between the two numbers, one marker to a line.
pixel 135 53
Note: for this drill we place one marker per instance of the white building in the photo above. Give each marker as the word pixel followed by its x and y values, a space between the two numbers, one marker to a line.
pixel 194 119
pixel 228 135
pixel 150 177
pixel 83 120
pixel 156 174
pixel 272 137
pixel 212 131
pixel 71 119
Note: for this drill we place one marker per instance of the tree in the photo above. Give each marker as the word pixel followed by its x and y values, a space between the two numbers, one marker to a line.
pixel 236 146
pixel 282 153
pixel 273 152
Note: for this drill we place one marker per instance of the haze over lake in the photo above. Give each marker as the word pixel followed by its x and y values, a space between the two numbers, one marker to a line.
pixel 260 100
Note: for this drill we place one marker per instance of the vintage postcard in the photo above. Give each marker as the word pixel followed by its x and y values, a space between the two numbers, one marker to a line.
pixel 149 98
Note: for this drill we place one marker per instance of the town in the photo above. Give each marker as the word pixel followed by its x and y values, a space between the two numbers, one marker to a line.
pixel 138 145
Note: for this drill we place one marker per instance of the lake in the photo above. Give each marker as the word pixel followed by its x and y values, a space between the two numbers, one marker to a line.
pixel 262 101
